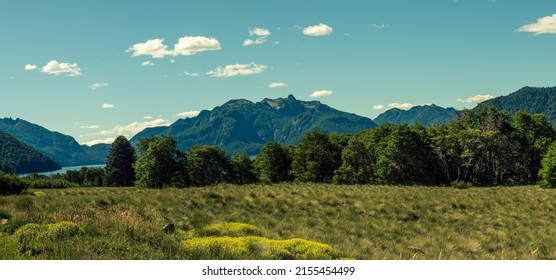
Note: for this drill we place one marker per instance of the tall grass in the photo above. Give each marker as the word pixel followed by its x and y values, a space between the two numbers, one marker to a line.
pixel 362 222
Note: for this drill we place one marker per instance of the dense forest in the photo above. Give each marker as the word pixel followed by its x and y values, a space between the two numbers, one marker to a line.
pixel 16 157
pixel 482 147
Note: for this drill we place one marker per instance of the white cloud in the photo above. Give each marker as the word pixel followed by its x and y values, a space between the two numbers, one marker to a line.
pixel 403 106
pixel 258 31
pixel 56 68
pixel 30 67
pixel 476 99
pixel 147 63
pixel 378 107
pixel 108 140
pixel 155 48
pixel 97 85
pixel 188 114
pixel 93 126
pixel 172 61
pixel 237 69
pixel 321 93
pixel 544 25
pixel 262 34
pixel 191 74
pixel 148 117
pixel 318 30
pixel 275 85
pixel 258 41
pixel 191 45
pixel 128 130
pixel 106 106
pixel 379 26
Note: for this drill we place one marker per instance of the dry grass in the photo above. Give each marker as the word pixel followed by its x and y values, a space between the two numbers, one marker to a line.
pixel 362 222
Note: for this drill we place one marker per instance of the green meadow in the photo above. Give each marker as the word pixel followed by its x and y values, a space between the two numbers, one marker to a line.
pixel 281 221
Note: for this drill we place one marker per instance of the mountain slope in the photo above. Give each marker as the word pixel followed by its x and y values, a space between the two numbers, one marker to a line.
pixel 61 148
pixel 427 115
pixel 20 158
pixel 241 125
pixel 533 100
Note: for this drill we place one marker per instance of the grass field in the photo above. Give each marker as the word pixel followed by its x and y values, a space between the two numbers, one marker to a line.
pixel 360 222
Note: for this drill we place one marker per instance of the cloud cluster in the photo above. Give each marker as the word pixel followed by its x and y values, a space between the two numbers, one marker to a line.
pixel 188 114
pixel 403 106
pixel 93 126
pixel 56 68
pixel 277 85
pixel 321 93
pixel 108 140
pixel 188 45
pixel 476 99
pixel 97 85
pixel 107 106
pixel 128 130
pixel 30 67
pixel 261 34
pixel 237 70
pixel 544 25
pixel 147 63
pixel 318 30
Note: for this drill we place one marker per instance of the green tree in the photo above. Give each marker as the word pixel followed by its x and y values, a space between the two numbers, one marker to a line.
pixel 156 165
pixel 358 164
pixel 316 158
pixel 273 163
pixel 208 165
pixel 534 135
pixel 119 163
pixel 548 170
pixel 243 169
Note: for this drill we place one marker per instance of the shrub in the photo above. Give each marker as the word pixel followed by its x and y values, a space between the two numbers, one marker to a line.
pixel 461 185
pixel 227 229
pixel 5 214
pixel 55 183
pixel 256 248
pixel 548 170
pixel 9 249
pixel 10 184
pixel 35 239
pixel 24 203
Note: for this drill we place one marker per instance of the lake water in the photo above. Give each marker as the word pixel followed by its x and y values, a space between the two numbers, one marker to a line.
pixel 64 170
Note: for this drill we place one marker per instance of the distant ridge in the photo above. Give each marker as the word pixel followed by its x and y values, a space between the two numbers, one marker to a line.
pixel 61 148
pixel 16 157
pixel 241 125
pixel 427 115
pixel 533 100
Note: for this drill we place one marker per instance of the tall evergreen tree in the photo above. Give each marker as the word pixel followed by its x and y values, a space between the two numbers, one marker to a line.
pixel 119 163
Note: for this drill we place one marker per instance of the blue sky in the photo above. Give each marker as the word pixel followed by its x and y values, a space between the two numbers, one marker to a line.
pixel 99 69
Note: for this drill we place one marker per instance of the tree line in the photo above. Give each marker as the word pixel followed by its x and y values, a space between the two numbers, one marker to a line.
pixel 482 147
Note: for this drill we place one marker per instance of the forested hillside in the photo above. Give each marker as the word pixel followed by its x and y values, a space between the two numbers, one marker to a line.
pixel 61 148
pixel 427 115
pixel 533 100
pixel 16 157
pixel 241 125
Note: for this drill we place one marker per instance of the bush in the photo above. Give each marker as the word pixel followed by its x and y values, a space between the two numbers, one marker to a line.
pixel 461 185
pixel 256 248
pixel 36 239
pixel 227 229
pixel 11 184
pixel 548 170
pixel 5 214
pixel 55 183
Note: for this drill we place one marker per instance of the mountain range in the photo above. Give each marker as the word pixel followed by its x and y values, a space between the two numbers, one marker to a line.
pixel 241 125
pixel 59 147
